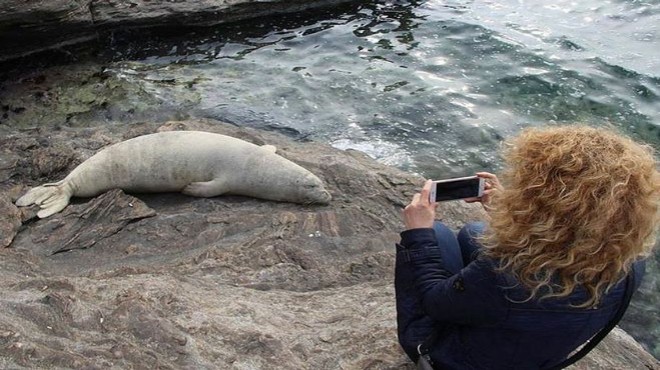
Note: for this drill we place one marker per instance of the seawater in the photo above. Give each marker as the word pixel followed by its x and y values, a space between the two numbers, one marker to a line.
pixel 431 87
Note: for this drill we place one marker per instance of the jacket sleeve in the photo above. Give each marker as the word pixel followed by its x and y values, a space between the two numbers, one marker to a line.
pixel 471 297
pixel 413 325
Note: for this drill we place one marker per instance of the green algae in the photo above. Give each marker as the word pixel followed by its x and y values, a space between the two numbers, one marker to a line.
pixel 84 95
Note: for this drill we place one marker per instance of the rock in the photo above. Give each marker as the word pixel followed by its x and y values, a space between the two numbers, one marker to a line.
pixel 617 351
pixel 10 220
pixel 27 27
pixel 31 26
pixel 82 226
pixel 143 13
pixel 222 283
pixel 8 163
pixel 52 162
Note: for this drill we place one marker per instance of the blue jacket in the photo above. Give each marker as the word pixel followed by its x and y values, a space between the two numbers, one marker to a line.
pixel 479 313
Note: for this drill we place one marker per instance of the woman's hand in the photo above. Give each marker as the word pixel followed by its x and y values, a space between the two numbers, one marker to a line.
pixel 492 185
pixel 420 213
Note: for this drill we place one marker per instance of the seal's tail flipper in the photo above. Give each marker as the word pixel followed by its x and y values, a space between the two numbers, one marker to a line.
pixel 52 198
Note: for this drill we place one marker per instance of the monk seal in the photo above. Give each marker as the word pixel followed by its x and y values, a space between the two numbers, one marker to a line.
pixel 196 163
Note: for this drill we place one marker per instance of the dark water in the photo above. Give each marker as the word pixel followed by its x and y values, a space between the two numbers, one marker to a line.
pixel 431 87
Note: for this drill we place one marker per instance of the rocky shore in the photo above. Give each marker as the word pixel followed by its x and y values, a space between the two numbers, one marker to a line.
pixel 168 281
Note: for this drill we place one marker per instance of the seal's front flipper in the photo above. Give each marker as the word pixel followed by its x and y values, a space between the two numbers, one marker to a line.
pixel 52 198
pixel 205 189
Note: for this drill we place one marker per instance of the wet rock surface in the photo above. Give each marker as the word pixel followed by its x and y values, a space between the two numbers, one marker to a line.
pixel 31 26
pixel 169 281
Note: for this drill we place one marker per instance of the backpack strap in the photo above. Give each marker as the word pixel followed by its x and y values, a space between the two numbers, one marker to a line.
pixel 593 342
pixel 424 350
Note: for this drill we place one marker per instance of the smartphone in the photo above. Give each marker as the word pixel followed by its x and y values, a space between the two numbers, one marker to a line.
pixel 457 188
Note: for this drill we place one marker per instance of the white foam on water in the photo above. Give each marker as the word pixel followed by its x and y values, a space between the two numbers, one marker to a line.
pixel 385 152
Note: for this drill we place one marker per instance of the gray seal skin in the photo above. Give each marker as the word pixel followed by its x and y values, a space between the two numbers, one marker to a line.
pixel 200 164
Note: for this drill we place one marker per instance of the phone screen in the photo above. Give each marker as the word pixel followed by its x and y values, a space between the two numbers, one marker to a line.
pixel 458 189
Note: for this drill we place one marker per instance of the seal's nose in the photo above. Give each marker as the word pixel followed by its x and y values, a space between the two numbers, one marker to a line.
pixel 323 197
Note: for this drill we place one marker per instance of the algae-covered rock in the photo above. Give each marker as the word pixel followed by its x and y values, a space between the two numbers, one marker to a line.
pixel 73 95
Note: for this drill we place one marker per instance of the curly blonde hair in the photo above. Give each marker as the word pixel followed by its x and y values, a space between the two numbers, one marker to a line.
pixel 578 206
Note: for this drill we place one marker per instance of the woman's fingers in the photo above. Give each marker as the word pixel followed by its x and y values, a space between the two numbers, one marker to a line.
pixel 423 197
pixel 420 213
pixel 426 191
pixel 491 185
pixel 491 180
pixel 486 175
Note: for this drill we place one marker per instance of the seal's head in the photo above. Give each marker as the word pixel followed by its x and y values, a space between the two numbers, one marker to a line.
pixel 311 190
pixel 277 178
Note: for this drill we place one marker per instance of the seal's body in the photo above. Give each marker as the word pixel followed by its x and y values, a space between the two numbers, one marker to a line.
pixel 196 163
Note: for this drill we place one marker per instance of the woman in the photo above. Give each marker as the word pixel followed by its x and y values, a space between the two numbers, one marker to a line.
pixel 576 212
